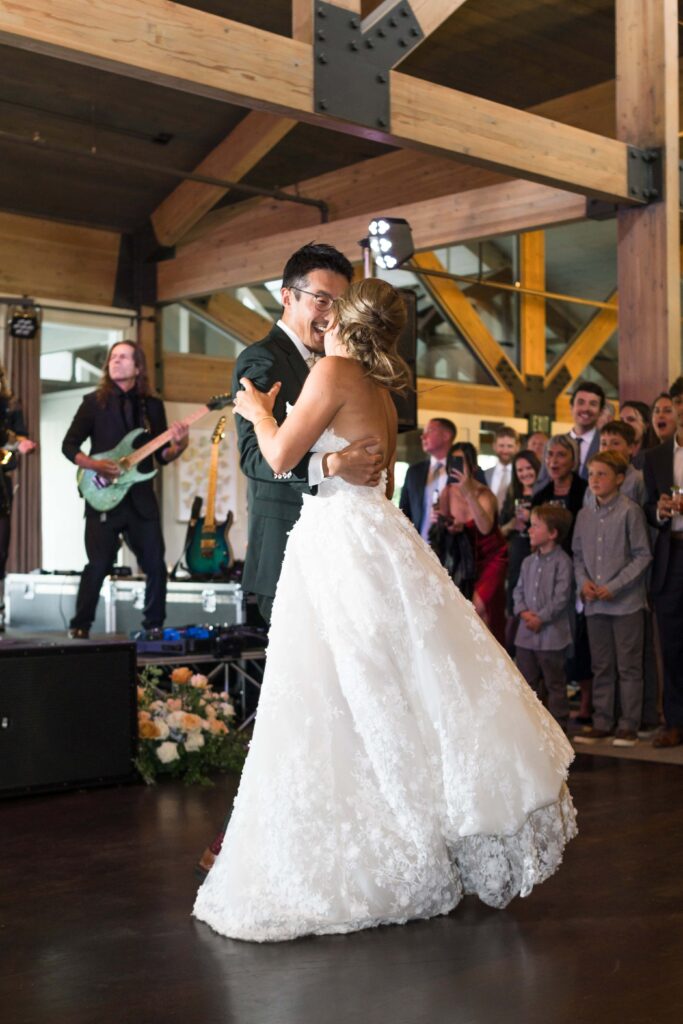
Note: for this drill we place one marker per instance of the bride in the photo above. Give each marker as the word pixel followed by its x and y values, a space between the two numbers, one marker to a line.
pixel 399 760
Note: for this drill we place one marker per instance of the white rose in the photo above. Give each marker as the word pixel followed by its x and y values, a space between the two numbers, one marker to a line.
pixel 167 752
pixel 228 710
pixel 194 741
pixel 175 719
pixel 162 727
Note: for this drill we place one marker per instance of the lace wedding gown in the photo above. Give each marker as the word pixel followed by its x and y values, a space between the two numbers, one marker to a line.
pixel 399 760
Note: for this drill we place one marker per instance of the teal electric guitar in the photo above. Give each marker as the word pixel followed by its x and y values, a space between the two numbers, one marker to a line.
pixel 103 494
pixel 208 553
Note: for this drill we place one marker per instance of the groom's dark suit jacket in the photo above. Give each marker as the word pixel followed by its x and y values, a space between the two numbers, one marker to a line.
pixel 658 473
pixel 274 502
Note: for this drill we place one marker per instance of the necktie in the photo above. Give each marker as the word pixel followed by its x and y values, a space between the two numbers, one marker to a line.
pixel 579 448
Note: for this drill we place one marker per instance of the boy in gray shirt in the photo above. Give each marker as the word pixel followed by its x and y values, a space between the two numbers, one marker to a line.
pixel 611 555
pixel 542 600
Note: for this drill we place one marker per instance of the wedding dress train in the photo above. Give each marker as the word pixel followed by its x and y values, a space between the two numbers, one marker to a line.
pixel 399 760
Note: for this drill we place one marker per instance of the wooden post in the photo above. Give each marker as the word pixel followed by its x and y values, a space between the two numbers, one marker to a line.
pixel 648 237
pixel 532 307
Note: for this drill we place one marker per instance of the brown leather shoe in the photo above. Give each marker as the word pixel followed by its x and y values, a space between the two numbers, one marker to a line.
pixel 204 864
pixel 672 737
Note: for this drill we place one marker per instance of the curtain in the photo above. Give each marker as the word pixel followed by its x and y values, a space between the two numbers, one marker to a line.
pixel 22 363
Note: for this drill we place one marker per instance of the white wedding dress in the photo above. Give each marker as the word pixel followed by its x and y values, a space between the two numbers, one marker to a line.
pixel 399 760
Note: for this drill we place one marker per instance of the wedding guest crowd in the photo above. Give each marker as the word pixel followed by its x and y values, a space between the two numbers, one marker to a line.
pixel 571 550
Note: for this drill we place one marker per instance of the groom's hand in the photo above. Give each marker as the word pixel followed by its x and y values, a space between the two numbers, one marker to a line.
pixel 356 463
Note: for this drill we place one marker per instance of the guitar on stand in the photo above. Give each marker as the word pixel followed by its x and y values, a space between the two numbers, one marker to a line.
pixel 208 551
pixel 103 494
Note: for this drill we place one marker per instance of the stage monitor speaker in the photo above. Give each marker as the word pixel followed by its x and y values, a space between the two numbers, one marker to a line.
pixel 406 404
pixel 68 716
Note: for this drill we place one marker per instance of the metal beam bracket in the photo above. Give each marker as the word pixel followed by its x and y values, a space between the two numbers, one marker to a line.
pixel 645 170
pixel 353 61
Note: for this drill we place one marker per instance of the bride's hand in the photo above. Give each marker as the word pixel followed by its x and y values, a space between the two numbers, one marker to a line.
pixel 253 405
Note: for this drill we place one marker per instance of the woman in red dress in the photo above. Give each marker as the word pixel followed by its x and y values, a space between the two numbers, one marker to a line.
pixel 469 508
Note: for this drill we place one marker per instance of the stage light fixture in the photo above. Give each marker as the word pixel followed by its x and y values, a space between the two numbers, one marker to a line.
pixel 391 241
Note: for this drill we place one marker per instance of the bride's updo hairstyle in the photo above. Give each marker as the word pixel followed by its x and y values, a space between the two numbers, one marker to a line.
pixel 370 316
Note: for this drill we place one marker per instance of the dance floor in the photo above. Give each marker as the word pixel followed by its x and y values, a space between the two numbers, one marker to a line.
pixel 96 889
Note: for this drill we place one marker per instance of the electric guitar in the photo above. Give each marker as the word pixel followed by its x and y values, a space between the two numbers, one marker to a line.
pixel 103 494
pixel 208 553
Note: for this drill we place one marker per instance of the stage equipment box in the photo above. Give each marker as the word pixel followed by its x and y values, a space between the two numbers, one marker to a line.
pixel 46 602
pixel 187 603
pixel 68 715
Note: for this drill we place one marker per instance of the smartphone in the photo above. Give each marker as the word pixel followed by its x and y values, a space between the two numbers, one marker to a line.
pixel 454 463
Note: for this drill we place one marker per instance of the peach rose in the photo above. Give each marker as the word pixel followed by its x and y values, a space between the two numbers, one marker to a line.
pixel 174 703
pixel 190 722
pixel 217 727
pixel 199 682
pixel 148 731
pixel 141 692
pixel 143 716
pixel 181 676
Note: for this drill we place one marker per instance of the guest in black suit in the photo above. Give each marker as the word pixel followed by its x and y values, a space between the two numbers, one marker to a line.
pixel 663 469
pixel 425 480
pixel 122 403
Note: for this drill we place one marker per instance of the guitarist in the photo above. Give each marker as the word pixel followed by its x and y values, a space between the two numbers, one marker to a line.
pixel 12 434
pixel 121 403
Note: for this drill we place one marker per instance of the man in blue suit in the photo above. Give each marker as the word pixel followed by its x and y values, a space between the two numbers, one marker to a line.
pixel 424 480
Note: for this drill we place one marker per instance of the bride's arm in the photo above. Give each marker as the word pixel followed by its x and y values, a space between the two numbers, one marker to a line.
pixel 317 405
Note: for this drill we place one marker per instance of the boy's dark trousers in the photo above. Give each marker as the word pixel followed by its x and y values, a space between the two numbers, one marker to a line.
pixel 550 667
pixel 616 643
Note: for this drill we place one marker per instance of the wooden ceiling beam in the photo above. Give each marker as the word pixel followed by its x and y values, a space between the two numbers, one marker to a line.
pixel 458 308
pixel 429 14
pixel 234 157
pixel 240 321
pixel 222 260
pixel 188 49
pixel 385 180
pixel 455 396
pixel 585 345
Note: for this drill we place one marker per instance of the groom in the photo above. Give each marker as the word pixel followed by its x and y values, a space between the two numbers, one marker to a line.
pixel 313 277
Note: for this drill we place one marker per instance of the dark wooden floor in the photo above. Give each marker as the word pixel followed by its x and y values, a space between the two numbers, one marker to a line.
pixel 96 889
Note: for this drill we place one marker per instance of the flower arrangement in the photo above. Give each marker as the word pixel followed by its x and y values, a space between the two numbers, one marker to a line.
pixel 186 733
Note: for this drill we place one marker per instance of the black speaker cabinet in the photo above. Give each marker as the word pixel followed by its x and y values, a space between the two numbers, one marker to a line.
pixel 68 715
pixel 406 404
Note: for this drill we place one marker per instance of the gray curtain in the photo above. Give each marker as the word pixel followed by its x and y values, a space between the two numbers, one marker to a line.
pixel 22 362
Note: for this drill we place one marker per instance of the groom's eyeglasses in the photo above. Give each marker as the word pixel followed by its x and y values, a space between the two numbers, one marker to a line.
pixel 323 303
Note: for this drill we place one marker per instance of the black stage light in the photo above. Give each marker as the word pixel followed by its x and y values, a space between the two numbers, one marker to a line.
pixel 391 241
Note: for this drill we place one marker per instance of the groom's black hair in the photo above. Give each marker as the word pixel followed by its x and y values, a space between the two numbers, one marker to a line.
pixel 315 256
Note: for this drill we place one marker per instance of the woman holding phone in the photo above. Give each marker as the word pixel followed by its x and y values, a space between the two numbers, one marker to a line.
pixel 468 512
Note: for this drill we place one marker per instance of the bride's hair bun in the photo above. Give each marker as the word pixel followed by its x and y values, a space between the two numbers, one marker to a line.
pixel 370 317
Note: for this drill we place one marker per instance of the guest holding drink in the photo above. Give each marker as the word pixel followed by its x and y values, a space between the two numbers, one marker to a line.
pixel 565 486
pixel 663 473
